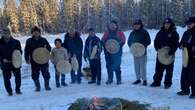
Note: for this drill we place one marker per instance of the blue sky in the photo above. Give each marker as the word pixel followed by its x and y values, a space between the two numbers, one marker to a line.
pixel 1 3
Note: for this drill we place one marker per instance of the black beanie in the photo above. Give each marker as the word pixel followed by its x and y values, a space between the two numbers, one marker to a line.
pixel 35 28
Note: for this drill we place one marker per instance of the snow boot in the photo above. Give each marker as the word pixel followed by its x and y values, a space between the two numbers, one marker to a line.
pixel 182 93
pixel 37 85
pixel 91 82
pixel 145 83
pixel 192 96
pixel 64 84
pixel 136 82
pixel 47 87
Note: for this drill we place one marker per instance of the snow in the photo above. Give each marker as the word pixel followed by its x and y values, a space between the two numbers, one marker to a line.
pixel 61 98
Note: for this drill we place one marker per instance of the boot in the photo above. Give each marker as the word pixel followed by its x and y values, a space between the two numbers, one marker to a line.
pixel 167 86
pixel 91 82
pixel 109 82
pixel 154 84
pixel 58 85
pixel 37 85
pixel 10 94
pixel 137 82
pixel 182 93
pixel 98 83
pixel 192 96
pixel 18 92
pixel 64 84
pixel 145 83
pixel 47 87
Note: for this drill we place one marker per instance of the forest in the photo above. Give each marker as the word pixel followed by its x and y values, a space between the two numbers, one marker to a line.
pixel 58 16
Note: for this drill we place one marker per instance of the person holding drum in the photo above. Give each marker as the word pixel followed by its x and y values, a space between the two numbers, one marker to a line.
pixel 92 52
pixel 113 41
pixel 57 54
pixel 37 54
pixel 139 36
pixel 190 45
pixel 184 44
pixel 166 44
pixel 7 47
pixel 74 44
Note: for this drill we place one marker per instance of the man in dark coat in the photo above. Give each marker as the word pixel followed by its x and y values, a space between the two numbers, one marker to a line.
pixel 167 36
pixel 113 61
pixel 191 64
pixel 74 44
pixel 93 42
pixel 140 35
pixel 185 41
pixel 7 46
pixel 36 41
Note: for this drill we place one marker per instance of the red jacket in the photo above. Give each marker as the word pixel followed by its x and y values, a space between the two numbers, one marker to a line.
pixel 120 35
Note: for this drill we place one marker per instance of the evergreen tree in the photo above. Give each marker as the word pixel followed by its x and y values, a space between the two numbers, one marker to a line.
pixel 10 13
pixel 24 16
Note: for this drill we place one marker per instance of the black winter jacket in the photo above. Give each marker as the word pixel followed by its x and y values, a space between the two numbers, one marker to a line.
pixel 74 45
pixel 6 51
pixel 168 38
pixel 31 45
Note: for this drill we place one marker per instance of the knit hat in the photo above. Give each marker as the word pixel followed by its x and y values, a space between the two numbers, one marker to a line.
pixel 190 20
pixel 91 30
pixel 35 28
pixel 138 22
pixel 168 20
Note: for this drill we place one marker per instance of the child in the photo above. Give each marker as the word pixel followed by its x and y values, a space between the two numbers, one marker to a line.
pixel 59 53
pixel 92 53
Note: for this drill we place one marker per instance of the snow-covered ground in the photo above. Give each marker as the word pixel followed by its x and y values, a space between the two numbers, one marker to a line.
pixel 61 98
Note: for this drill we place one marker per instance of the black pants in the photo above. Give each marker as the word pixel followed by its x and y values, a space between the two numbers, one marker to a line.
pixel 185 81
pixel 160 68
pixel 95 66
pixel 7 74
pixel 192 75
pixel 44 69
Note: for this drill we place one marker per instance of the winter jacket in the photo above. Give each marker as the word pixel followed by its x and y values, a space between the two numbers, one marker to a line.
pixel 89 45
pixel 191 45
pixel 186 38
pixel 74 45
pixel 58 54
pixel 168 38
pixel 139 36
pixel 31 45
pixel 6 51
pixel 117 35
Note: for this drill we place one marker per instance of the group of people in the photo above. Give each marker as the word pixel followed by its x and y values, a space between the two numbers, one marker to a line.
pixel 73 47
